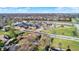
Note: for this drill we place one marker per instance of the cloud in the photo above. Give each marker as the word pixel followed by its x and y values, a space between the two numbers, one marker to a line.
pixel 39 10
pixel 14 9
pixel 67 10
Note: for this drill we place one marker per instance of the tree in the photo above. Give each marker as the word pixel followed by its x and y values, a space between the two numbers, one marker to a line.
pixel 1 43
pixel 52 39
pixel 35 48
pixel 68 48
pixel 47 48
pixel 70 19
pixel 60 45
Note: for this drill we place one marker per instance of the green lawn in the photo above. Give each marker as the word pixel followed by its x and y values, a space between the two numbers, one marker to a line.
pixel 73 44
pixel 67 31
pixel 1 32
pixel 12 33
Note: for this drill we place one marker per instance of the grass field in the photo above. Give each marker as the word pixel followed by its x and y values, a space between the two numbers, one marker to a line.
pixel 67 31
pixel 1 32
pixel 73 44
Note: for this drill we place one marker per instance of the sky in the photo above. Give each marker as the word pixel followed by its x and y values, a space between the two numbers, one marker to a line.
pixel 40 3
pixel 39 9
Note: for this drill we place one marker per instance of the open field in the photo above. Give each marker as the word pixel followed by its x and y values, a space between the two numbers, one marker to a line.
pixel 67 31
pixel 73 44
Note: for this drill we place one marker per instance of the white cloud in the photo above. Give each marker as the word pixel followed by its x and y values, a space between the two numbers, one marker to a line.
pixel 67 10
pixel 39 10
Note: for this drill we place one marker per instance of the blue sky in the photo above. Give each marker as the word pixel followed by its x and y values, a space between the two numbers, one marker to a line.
pixel 39 10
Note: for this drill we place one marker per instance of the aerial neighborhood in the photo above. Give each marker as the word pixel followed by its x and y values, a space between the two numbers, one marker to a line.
pixel 39 32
